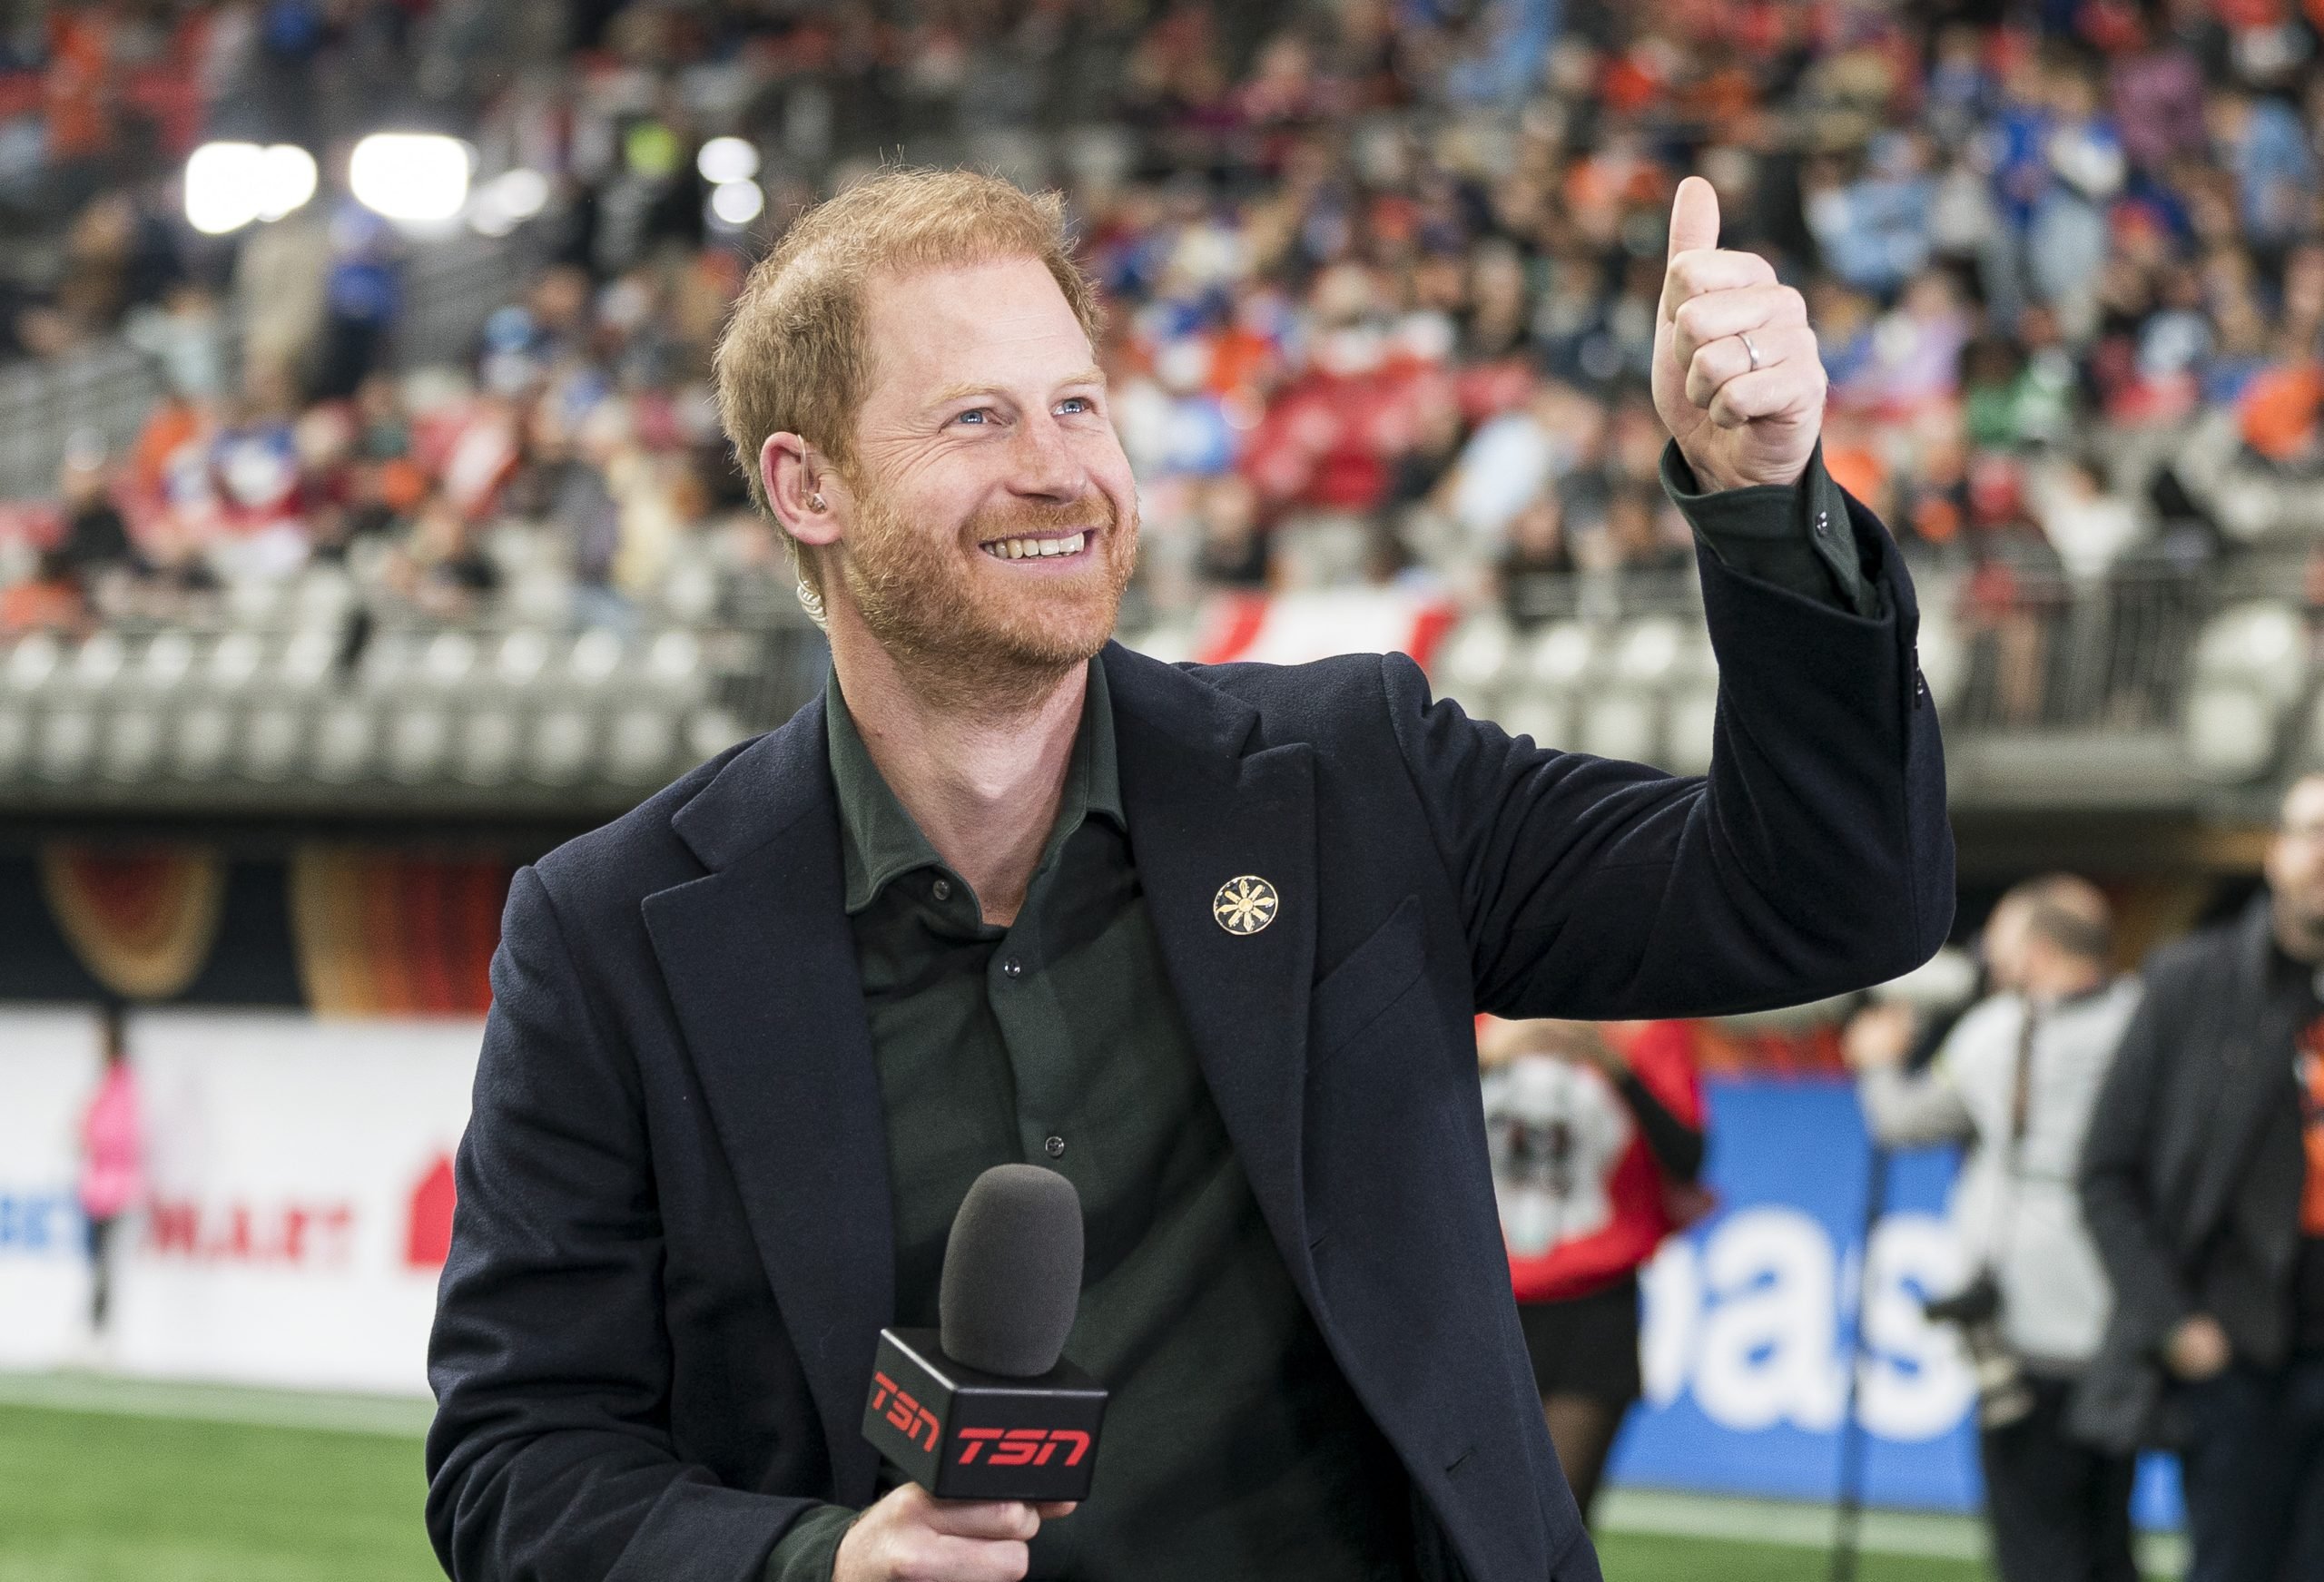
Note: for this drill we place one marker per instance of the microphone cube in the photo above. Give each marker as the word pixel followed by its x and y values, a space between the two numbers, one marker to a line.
pixel 961 1434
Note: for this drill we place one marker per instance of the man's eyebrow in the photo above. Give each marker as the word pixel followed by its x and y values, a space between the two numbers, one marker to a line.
pixel 1092 374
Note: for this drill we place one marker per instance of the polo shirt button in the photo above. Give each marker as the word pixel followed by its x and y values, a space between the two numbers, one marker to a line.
pixel 1012 968
pixel 941 889
pixel 1054 1147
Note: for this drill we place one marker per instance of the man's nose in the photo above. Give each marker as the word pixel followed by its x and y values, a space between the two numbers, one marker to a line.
pixel 1044 463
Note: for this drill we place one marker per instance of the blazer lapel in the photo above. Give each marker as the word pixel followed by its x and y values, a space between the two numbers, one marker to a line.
pixel 761 970
pixel 1202 814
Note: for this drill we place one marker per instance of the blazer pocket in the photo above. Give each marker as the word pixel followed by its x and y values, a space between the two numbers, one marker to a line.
pixel 1368 980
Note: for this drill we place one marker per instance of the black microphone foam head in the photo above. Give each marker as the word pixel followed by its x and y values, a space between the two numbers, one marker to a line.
pixel 1013 1271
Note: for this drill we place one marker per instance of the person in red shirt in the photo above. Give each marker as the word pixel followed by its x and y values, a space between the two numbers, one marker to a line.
pixel 1597 1139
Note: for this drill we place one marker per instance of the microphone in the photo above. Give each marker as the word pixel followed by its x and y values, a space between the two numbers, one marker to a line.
pixel 985 1408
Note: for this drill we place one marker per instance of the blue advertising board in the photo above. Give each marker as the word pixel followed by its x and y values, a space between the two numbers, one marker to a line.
pixel 1747 1319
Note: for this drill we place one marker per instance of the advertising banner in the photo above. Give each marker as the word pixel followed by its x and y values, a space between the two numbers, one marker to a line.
pixel 48 1072
pixel 1746 1338
pixel 301 1198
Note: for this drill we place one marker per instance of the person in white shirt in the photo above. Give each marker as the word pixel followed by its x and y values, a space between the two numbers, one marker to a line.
pixel 2016 1079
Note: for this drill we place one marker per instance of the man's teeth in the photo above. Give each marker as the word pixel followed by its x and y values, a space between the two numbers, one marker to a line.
pixel 1035 548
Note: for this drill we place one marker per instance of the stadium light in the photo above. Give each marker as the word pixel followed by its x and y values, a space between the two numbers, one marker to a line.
pixel 726 159
pixel 286 176
pixel 410 175
pixel 229 184
pixel 223 186
pixel 736 203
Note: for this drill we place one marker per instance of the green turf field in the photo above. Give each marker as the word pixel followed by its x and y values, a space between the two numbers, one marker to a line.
pixel 91 1498
pixel 101 1497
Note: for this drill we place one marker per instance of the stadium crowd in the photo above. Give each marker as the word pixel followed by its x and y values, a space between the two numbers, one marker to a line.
pixel 1384 281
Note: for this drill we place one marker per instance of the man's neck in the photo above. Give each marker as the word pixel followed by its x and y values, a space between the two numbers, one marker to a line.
pixel 982 782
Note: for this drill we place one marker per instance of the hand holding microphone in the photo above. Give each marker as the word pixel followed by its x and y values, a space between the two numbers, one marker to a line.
pixel 910 1536
pixel 995 1431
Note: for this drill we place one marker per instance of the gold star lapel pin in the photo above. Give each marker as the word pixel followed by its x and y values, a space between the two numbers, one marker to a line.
pixel 1245 904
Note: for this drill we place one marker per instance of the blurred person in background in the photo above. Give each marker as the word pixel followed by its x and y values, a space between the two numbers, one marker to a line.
pixel 2016 1080
pixel 113 1165
pixel 95 540
pixel 2203 1181
pixel 1597 1156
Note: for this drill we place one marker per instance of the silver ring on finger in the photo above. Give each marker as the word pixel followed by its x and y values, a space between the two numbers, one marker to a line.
pixel 1750 350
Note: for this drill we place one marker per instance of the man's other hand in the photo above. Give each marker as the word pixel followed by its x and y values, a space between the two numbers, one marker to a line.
pixel 2198 1348
pixel 1740 419
pixel 910 1536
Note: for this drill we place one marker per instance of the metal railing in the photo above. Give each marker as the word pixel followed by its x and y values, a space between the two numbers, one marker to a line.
pixel 2041 652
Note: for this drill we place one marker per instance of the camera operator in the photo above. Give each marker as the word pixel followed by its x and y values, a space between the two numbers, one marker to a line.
pixel 2016 1079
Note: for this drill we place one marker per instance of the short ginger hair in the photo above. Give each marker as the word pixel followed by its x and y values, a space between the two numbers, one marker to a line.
pixel 793 358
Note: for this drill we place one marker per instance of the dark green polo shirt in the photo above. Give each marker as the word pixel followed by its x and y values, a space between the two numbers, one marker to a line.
pixel 1233 1447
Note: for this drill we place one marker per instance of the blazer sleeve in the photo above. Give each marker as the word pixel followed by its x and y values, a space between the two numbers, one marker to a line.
pixel 551 1458
pixel 1812 858
pixel 2117 1183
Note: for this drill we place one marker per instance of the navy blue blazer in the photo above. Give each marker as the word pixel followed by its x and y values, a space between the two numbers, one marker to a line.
pixel 671 1251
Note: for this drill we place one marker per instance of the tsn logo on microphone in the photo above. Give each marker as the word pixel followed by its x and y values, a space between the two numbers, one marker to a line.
pixel 961 1434
pixel 1018 1447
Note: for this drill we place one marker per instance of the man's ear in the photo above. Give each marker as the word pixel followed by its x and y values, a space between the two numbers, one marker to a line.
pixel 798 485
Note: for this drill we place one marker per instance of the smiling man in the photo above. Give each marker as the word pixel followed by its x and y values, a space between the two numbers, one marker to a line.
pixel 1209 942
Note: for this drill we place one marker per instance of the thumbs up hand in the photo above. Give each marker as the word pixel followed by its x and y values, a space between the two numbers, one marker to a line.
pixel 1737 377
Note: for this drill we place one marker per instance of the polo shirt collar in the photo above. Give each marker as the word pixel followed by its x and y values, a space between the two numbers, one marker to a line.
pixel 879 841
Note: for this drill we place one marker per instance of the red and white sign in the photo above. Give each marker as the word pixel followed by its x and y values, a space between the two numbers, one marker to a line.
pixel 301 1198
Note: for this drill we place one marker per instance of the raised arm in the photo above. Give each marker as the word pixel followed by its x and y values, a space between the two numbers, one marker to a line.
pixel 1815 856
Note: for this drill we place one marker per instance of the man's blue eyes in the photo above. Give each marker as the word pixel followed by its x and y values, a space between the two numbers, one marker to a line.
pixel 978 415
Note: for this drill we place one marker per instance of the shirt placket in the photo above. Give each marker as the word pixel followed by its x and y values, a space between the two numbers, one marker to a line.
pixel 1025 1006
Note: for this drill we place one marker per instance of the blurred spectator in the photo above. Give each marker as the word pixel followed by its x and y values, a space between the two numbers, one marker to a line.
pixel 1233 551
pixel 2262 144
pixel 362 294
pixel 2203 1185
pixel 2015 1079
pixel 1597 1143
pixel 2087 526
pixel 113 1165
pixel 1642 536
pixel 1538 561
pixel 95 541
pixel 442 568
